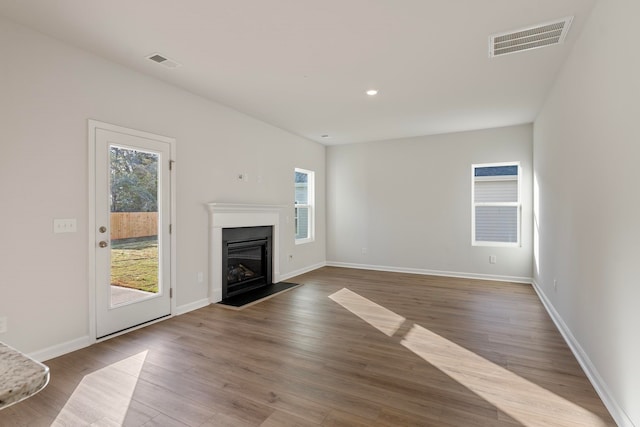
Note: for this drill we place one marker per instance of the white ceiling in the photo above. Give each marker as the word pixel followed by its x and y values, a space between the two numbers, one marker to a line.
pixel 304 66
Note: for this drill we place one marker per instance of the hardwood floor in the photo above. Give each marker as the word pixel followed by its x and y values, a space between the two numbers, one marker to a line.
pixel 349 348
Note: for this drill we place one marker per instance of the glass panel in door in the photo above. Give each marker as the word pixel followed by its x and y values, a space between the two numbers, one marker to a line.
pixel 134 218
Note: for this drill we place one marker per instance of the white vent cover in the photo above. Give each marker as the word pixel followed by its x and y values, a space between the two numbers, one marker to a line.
pixel 163 60
pixel 543 35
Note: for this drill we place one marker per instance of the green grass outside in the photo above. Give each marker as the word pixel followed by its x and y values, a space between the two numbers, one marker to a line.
pixel 134 264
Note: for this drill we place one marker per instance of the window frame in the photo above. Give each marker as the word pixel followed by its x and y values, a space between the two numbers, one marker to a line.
pixel 310 205
pixel 517 204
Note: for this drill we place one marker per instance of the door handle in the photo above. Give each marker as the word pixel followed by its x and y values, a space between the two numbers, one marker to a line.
pixel 103 244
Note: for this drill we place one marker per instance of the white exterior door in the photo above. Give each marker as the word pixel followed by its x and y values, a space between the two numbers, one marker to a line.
pixel 132 249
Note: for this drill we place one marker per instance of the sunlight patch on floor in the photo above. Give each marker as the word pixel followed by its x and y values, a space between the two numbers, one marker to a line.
pixel 524 401
pixel 385 320
pixel 103 397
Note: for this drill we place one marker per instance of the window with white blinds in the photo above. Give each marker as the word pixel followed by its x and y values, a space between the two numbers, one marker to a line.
pixel 496 204
pixel 304 205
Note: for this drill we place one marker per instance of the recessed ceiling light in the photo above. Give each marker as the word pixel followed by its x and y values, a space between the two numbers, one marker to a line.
pixel 372 92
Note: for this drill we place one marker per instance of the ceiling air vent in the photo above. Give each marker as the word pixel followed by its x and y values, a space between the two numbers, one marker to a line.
pixel 163 60
pixel 543 35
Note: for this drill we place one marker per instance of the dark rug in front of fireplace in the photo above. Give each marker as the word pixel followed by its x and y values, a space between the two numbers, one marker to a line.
pixel 254 296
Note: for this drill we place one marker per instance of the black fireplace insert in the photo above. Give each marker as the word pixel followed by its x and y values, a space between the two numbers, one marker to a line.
pixel 246 259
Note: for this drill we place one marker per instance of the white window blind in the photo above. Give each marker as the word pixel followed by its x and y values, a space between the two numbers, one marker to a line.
pixel 304 201
pixel 497 224
pixel 504 190
pixel 496 204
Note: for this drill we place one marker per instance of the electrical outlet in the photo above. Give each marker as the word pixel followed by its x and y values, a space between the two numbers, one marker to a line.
pixel 492 259
pixel 200 277
pixel 3 324
pixel 65 225
pixel 290 257
pixel 364 251
pixel 555 285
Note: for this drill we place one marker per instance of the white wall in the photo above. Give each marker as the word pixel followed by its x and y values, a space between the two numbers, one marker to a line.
pixel 48 90
pixel 408 202
pixel 586 153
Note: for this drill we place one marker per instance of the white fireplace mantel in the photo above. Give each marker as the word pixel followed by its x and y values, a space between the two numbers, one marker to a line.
pixel 229 215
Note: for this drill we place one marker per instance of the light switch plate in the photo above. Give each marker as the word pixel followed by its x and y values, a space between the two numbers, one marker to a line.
pixel 65 225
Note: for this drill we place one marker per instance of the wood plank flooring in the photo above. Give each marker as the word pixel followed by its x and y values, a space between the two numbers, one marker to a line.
pixel 348 348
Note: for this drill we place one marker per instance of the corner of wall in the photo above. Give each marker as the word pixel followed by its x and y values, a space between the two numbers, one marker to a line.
pixel 588 367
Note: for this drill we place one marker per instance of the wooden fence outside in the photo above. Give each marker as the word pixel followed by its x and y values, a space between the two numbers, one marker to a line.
pixel 127 225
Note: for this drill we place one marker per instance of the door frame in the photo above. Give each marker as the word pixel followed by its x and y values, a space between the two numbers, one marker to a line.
pixel 93 125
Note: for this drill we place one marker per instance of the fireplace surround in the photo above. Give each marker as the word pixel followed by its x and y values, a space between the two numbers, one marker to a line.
pixel 234 215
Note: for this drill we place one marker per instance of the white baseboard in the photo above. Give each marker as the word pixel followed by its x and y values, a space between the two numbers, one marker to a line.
pixel 618 414
pixel 60 349
pixel 302 271
pixel 514 279
pixel 82 342
pixel 185 308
